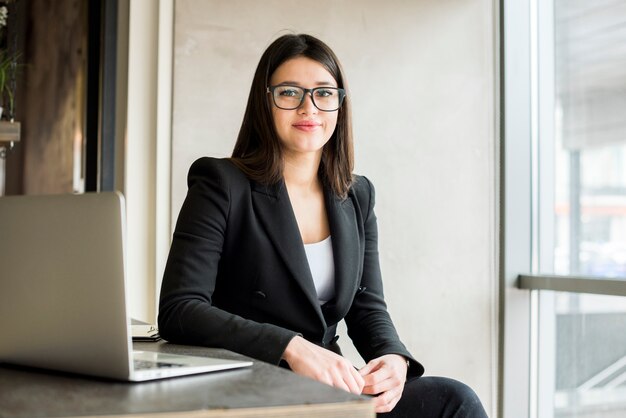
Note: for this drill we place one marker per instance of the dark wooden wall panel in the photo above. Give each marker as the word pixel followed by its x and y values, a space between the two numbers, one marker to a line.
pixel 54 96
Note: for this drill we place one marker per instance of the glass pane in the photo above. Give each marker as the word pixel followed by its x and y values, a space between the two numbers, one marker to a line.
pixel 590 356
pixel 588 336
pixel 590 137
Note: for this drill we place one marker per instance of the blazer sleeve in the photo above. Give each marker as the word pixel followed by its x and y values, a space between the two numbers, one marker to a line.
pixel 186 313
pixel 369 324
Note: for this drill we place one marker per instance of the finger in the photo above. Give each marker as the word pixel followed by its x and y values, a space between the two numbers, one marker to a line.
pixel 355 381
pixel 369 367
pixel 339 383
pixel 383 386
pixel 349 376
pixel 343 378
pixel 385 402
pixel 380 387
pixel 352 385
pixel 377 376
pixel 385 408
pixel 358 378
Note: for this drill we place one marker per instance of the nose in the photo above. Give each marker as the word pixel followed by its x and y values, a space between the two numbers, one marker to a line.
pixel 307 107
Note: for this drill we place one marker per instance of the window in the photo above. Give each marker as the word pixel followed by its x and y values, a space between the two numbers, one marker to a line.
pixel 588 207
pixel 566 64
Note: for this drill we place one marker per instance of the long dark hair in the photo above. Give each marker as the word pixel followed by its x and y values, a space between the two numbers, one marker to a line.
pixel 258 151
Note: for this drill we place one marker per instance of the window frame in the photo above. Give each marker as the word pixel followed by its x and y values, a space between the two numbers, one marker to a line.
pixel 515 210
pixel 526 212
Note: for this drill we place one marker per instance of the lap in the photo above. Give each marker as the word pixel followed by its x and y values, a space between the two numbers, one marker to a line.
pixel 432 396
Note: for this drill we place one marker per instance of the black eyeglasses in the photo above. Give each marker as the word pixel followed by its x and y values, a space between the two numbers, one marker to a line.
pixel 326 99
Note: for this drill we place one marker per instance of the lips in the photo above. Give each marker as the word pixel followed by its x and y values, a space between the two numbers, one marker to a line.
pixel 306 125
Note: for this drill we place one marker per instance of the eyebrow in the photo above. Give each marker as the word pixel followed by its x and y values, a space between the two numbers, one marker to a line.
pixel 317 83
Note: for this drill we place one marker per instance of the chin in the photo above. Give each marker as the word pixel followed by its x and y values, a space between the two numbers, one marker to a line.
pixel 306 146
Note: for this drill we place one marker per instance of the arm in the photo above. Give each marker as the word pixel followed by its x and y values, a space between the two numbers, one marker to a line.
pixel 308 359
pixel 369 324
pixel 389 363
pixel 186 313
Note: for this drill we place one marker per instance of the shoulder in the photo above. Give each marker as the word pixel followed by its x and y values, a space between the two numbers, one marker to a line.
pixel 215 170
pixel 363 192
pixel 362 187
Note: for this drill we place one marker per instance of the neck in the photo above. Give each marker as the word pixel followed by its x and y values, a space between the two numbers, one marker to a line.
pixel 300 171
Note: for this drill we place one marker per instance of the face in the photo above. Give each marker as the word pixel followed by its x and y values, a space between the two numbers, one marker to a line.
pixel 305 129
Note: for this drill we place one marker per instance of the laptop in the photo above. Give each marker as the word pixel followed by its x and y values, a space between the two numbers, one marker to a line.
pixel 63 292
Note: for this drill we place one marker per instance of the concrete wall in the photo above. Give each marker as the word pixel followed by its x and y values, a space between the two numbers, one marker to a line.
pixel 422 80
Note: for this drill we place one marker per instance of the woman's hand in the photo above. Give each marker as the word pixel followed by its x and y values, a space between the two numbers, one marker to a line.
pixel 310 360
pixel 385 377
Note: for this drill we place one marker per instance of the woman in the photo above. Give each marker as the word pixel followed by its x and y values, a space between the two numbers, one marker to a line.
pixel 276 245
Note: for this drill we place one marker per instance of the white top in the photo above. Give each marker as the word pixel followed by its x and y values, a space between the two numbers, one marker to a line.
pixel 322 265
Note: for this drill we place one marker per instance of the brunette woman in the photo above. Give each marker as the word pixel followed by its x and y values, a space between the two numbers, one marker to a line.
pixel 277 244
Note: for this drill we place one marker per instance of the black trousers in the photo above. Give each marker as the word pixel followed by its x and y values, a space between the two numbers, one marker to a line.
pixel 435 397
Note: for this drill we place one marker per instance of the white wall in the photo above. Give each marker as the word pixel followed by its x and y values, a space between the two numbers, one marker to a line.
pixel 140 158
pixel 145 125
pixel 422 79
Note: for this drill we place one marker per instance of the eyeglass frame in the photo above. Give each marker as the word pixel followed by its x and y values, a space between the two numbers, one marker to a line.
pixel 342 96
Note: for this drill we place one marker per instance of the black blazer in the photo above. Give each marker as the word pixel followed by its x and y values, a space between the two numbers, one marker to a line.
pixel 237 275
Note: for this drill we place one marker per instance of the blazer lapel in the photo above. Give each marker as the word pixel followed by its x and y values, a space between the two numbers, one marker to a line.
pixel 274 209
pixel 347 242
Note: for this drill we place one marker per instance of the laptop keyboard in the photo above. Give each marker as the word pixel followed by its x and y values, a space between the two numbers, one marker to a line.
pixel 144 365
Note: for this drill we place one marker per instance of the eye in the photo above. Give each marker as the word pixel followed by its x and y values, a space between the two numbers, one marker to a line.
pixel 289 92
pixel 325 92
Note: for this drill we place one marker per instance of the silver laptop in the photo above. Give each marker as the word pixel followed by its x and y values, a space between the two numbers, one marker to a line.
pixel 63 293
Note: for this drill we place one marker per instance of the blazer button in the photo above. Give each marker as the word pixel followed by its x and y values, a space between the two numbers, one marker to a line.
pixel 333 340
pixel 260 295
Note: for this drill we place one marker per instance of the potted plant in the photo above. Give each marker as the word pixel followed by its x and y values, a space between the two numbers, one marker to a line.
pixel 8 66
pixel 6 92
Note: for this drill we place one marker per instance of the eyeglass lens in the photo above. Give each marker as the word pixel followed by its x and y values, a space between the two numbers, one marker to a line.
pixel 291 97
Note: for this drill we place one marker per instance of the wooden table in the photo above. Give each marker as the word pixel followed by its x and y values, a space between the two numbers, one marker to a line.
pixel 262 390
